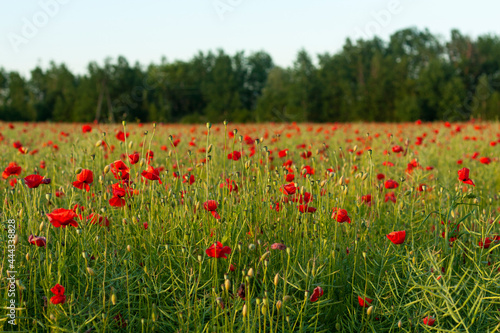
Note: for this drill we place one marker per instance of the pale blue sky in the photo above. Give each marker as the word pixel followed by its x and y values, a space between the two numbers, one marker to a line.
pixel 79 31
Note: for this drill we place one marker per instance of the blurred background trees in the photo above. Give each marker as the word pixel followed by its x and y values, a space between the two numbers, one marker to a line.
pixel 412 76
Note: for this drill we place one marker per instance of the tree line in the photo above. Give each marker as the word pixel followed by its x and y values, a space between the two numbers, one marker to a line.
pixel 414 75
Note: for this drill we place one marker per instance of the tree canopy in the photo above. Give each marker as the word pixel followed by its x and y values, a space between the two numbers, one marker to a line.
pixel 414 75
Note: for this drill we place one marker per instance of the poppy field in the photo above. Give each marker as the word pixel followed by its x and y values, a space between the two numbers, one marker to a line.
pixel 356 227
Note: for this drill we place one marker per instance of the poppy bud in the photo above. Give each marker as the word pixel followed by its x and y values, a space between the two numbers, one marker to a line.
pixel 251 247
pixel 337 326
pixel 27 256
pixel 16 239
pixel 130 144
pixel 369 310
pixel 209 149
pixel 227 284
pixel 341 180
pixel 306 294
pixel 244 310
pixel 264 256
pixel 90 271
pixel 276 279
pixel 48 196
pixel 98 143
pixel 278 305
pixel 400 324
pixel 365 175
pixel 106 169
pixel 153 313
pixel 129 248
pixel 264 309
pixel 209 125
pixel 141 163
pixel 113 299
pixel 250 272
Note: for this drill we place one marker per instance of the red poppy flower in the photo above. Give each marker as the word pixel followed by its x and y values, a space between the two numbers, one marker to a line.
pixel 485 160
pixel 188 179
pixel 278 246
pixel 98 219
pixel 397 237
pixel 317 293
pixel 307 170
pixel 390 196
pixel 86 129
pixel 120 170
pixel 306 154
pixel 133 158
pixel 33 181
pixel 11 170
pixel 211 206
pixel 38 241
pixel 62 217
pixel 289 177
pixel 230 184
pixel 380 176
pixel 429 321
pixel 391 184
pixel 152 174
pixel 340 215
pixel 485 243
pixel 367 199
pixel 118 194
pixel 59 297
pixel 364 302
pixel 289 189
pixel 283 153
pixel 84 179
pixel 306 209
pixel 463 176
pixel 235 156
pixel 397 149
pixel 121 136
pixel 217 250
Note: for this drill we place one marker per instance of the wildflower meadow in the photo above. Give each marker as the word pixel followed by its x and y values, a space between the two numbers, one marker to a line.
pixel 273 227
